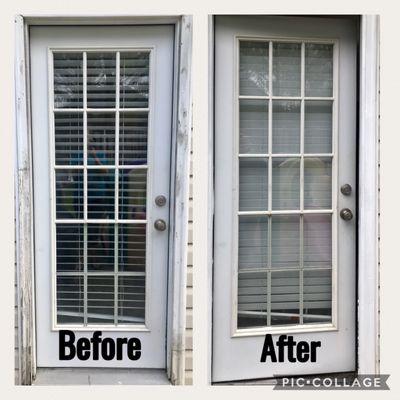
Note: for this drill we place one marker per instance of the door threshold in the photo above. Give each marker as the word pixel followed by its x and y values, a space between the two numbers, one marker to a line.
pixel 100 376
pixel 272 381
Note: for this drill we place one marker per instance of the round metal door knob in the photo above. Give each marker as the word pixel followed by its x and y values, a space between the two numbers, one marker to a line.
pixel 346 214
pixel 160 225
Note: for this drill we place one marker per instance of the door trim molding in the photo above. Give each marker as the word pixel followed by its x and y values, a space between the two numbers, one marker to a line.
pixel 368 222
pixel 24 208
pixel 181 143
pixel 368 228
pixel 176 320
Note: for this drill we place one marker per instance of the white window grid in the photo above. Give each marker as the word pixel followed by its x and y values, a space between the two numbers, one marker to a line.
pixel 116 221
pixel 269 98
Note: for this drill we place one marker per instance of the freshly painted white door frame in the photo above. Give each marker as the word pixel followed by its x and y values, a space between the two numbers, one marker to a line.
pixel 176 315
pixel 368 221
pixel 368 260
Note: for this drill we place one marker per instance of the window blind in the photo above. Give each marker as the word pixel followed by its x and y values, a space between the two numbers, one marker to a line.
pixel 285 214
pixel 100 114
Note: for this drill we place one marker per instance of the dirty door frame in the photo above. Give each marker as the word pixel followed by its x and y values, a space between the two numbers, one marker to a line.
pixel 180 158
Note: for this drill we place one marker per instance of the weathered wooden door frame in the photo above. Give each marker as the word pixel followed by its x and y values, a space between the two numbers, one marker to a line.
pixel 368 181
pixel 181 137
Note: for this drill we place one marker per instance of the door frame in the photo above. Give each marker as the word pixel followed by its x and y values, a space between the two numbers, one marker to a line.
pixel 367 328
pixel 179 184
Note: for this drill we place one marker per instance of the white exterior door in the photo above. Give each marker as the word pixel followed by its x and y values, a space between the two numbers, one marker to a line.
pixel 101 112
pixel 285 242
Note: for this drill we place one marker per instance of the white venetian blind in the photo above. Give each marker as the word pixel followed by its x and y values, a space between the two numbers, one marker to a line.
pixel 101 108
pixel 101 76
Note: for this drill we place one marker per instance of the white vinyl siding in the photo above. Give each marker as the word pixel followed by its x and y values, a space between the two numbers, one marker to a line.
pixel 189 288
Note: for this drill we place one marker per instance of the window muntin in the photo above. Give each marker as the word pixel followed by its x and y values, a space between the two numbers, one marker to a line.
pixel 286 173
pixel 100 115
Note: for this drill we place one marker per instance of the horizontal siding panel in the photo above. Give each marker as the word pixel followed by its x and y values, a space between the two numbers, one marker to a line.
pixel 189 360
pixel 189 378
pixel 16 359
pixel 190 233
pixel 15 295
pixel 16 339
pixel 190 210
pixel 189 319
pixel 189 297
pixel 189 287
pixel 189 276
pixel 189 339
pixel 16 331
pixel 190 255
pixel 16 316
pixel 191 189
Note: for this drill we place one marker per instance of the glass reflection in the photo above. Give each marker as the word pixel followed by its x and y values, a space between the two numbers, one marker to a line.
pixel 286 183
pixel 132 193
pixel 254 68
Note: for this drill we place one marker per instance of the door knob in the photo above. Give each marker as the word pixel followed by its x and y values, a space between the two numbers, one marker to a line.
pixel 346 214
pixel 160 225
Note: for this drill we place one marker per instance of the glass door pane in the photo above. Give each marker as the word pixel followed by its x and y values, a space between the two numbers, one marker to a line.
pixel 100 129
pixel 286 161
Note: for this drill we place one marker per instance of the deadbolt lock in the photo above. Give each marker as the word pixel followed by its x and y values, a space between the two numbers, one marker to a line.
pixel 346 189
pixel 160 225
pixel 160 200
pixel 346 214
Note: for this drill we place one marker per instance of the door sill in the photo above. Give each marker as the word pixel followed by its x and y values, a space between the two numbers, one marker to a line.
pixel 100 376
pixel 272 381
